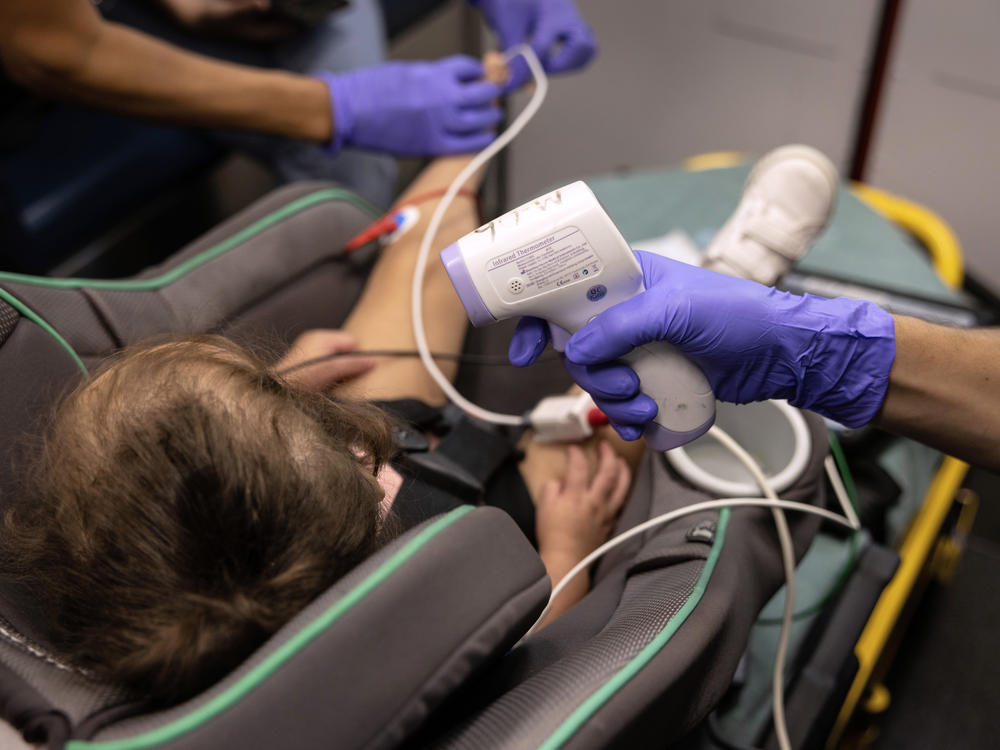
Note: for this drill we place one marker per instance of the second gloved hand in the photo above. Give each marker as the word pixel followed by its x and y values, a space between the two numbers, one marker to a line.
pixel 557 33
pixel 752 342
pixel 414 108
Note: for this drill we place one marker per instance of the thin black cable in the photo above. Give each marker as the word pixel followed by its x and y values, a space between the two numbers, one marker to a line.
pixel 468 359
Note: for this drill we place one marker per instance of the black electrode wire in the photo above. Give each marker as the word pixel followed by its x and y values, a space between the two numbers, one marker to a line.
pixel 466 359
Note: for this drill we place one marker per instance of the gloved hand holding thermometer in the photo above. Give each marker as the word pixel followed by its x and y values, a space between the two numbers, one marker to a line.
pixel 561 258
pixel 832 356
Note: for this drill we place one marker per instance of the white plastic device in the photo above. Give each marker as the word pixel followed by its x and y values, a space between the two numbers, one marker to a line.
pixel 780 441
pixel 560 257
pixel 560 419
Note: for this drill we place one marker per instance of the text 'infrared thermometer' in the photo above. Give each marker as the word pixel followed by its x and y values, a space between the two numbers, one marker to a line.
pixel 560 257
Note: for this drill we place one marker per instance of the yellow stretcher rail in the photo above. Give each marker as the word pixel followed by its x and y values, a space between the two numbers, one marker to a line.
pixel 932 231
pixel 918 547
pixel 914 554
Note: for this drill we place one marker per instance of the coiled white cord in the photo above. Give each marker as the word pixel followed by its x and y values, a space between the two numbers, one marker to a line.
pixel 725 502
pixel 541 89
pixel 788 563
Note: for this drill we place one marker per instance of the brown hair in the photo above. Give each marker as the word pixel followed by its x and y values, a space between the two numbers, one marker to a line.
pixel 187 503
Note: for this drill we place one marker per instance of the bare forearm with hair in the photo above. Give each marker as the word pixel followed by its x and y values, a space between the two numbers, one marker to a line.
pixel 63 48
pixel 944 390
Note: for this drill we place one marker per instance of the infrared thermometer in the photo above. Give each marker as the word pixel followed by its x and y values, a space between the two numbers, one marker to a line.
pixel 560 257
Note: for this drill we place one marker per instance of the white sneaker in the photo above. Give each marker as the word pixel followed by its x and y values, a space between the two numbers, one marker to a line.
pixel 786 203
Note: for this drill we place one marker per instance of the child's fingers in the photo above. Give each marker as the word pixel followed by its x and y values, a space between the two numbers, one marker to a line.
pixel 623 479
pixel 550 490
pixel 340 341
pixel 607 469
pixel 576 469
pixel 320 341
pixel 346 367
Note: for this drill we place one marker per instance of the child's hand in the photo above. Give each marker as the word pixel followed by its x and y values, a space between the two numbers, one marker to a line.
pixel 328 373
pixel 575 516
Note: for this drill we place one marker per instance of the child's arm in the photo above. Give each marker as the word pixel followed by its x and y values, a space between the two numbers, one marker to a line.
pixel 382 318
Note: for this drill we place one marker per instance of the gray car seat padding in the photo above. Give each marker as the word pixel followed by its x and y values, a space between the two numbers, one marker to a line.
pixel 680 604
pixel 207 284
pixel 246 279
pixel 366 662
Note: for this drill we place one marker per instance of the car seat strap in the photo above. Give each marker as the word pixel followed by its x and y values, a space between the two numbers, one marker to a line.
pixel 28 711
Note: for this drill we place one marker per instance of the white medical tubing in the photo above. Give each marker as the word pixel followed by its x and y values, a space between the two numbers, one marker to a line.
pixel 788 562
pixel 726 502
pixel 841 492
pixel 541 88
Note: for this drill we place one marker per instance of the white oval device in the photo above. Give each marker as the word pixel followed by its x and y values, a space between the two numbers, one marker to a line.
pixel 560 257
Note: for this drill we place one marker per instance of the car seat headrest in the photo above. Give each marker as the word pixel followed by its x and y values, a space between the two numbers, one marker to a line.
pixel 429 613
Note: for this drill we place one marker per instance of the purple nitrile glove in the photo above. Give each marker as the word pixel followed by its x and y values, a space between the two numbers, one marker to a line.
pixel 557 33
pixel 414 108
pixel 752 342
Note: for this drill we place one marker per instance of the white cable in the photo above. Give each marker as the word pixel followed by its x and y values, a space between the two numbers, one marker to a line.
pixel 841 492
pixel 541 88
pixel 672 516
pixel 788 562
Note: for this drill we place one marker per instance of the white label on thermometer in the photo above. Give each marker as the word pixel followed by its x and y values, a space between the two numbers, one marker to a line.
pixel 550 262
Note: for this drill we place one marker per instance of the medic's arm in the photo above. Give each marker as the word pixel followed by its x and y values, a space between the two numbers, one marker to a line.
pixel 64 49
pixel 944 390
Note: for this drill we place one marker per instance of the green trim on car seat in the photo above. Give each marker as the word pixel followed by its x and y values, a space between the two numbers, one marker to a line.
pixel 283 653
pixel 39 321
pixel 590 706
pixel 158 282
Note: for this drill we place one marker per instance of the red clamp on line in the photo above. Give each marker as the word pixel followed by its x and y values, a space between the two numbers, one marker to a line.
pixel 379 228
pixel 565 418
pixel 597 418
pixel 389 222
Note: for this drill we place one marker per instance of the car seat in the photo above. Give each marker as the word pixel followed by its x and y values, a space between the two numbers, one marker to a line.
pixel 414 647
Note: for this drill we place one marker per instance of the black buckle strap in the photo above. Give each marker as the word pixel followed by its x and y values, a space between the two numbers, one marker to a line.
pixel 29 712
pixel 469 453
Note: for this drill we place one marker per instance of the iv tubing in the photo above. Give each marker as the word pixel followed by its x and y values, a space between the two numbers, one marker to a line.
pixel 541 88
pixel 726 502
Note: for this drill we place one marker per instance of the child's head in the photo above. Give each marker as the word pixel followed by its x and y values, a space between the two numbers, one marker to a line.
pixel 187 503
